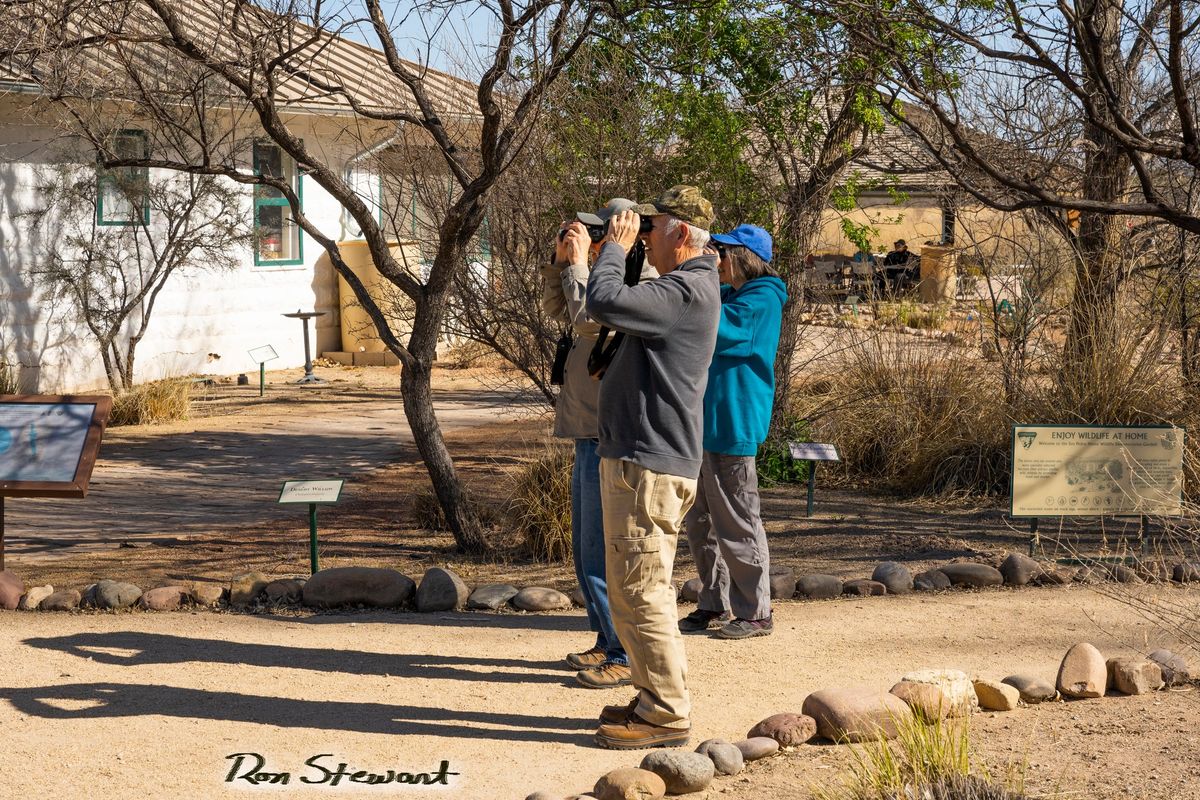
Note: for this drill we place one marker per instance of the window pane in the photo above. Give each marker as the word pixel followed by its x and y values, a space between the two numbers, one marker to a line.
pixel 268 160
pixel 277 234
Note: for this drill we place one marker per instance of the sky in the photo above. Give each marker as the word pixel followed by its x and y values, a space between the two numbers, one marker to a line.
pixel 454 40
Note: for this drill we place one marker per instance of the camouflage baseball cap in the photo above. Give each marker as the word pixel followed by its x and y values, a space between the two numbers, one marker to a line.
pixel 682 202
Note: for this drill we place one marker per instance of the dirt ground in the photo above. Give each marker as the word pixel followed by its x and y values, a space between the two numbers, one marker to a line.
pixel 161 700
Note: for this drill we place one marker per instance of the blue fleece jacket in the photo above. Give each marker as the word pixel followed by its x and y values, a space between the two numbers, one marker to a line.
pixel 741 378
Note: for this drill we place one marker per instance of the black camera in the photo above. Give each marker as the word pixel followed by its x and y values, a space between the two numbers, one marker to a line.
pixel 597 232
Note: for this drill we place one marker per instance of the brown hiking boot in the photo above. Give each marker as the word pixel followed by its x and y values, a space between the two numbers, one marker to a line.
pixel 587 659
pixel 608 675
pixel 637 734
pixel 615 715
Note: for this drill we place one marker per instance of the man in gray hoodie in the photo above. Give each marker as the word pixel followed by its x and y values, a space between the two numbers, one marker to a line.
pixel 651 429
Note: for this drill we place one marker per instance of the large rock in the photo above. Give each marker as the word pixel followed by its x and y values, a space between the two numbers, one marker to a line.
pixel 285 590
pixel 819 587
pixel 34 597
pixel 1019 569
pixel 1186 573
pixel 538 598
pixel 973 575
pixel 1134 675
pixel 12 589
pixel 996 696
pixel 62 600
pixel 115 594
pixel 681 771
pixel 928 702
pixel 931 580
pixel 1123 574
pixel 783 583
pixel 690 591
pixel 495 595
pixel 164 598
pixel 856 715
pixel 207 594
pixel 1051 577
pixel 790 730
pixel 1083 672
pixel 87 596
pixel 757 747
pixel 1153 571
pixel 955 685
pixel 247 588
pixel 1033 690
pixel 863 588
pixel 1174 668
pixel 358 586
pixel 896 577
pixel 577 597
pixel 726 758
pixel 629 783
pixel 441 590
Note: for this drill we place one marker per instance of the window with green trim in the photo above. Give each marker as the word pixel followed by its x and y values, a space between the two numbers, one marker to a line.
pixel 122 193
pixel 276 234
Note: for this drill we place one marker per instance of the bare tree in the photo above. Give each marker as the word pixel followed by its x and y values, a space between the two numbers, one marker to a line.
pixel 119 237
pixel 212 76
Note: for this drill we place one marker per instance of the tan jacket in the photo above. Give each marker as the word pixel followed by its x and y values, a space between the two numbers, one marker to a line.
pixel 564 292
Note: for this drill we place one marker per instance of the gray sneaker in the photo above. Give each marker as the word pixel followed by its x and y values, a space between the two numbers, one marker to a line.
pixel 746 628
pixel 701 620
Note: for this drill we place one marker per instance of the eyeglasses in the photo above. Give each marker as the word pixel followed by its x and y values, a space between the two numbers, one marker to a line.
pixel 720 248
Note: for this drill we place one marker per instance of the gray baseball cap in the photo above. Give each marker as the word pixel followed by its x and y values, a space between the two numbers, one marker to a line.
pixel 614 206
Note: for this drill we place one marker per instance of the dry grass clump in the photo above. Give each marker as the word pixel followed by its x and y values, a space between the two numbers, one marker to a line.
pixel 470 354
pixel 155 402
pixel 925 762
pixel 9 383
pixel 917 417
pixel 540 509
pixel 908 314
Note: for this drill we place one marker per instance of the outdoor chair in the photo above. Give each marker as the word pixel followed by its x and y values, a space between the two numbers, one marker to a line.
pixel 829 281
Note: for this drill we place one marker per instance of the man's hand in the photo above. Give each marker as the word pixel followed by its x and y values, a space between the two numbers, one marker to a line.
pixel 574 243
pixel 623 229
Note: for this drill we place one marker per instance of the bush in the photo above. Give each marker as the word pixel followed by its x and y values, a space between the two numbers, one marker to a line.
pixel 428 514
pixel 154 402
pixel 540 508
pixel 774 461
pixel 908 314
pixel 931 762
pixel 9 383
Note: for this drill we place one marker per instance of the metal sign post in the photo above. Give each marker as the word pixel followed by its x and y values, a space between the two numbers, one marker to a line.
pixel 261 355
pixel 812 452
pixel 304 317
pixel 312 493
pixel 48 446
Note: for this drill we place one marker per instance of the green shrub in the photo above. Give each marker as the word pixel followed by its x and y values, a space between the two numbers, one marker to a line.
pixel 155 402
pixel 540 509
pixel 774 461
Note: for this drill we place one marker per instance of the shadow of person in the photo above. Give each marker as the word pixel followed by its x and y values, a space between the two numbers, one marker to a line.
pixel 111 700
pixel 137 648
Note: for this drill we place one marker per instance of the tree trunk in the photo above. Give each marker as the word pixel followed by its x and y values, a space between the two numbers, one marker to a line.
pixel 417 392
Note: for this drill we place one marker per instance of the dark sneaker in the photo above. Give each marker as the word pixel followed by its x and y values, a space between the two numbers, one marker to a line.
pixel 637 734
pixel 615 715
pixel 608 675
pixel 745 628
pixel 701 620
pixel 587 659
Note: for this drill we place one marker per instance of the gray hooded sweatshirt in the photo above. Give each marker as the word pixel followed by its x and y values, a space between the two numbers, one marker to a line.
pixel 652 396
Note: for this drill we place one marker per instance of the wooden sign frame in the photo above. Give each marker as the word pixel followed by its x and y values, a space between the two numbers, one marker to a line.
pixel 77 487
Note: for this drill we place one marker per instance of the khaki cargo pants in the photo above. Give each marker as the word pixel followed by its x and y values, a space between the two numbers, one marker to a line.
pixel 643 514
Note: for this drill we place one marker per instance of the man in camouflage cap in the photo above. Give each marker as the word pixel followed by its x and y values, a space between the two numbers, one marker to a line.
pixel 650 427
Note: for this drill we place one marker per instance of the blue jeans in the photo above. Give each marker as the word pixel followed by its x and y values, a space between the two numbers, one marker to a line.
pixel 587 544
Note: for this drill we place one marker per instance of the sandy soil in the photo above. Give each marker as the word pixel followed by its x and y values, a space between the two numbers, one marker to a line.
pixel 151 705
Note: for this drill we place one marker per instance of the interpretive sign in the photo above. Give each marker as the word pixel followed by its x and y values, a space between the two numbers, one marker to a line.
pixel 1091 470
pixel 49 443
pixel 813 451
pixel 310 492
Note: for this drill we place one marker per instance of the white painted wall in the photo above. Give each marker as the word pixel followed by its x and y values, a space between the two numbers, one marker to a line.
pixel 198 316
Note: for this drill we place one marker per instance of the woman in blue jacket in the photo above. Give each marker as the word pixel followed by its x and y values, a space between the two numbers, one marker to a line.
pixel 724 527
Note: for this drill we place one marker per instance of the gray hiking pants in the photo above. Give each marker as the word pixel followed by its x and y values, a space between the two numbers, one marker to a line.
pixel 727 538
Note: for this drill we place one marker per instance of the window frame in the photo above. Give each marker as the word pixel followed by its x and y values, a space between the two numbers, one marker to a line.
pixel 105 177
pixel 261 199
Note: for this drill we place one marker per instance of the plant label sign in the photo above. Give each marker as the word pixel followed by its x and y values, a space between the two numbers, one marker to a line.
pixel 261 355
pixel 813 451
pixel 49 443
pixel 1092 470
pixel 309 492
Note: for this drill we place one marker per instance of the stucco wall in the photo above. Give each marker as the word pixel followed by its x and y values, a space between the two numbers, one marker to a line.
pixel 204 322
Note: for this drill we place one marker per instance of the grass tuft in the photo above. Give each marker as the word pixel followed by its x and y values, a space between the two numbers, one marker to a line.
pixel 540 508
pixel 155 402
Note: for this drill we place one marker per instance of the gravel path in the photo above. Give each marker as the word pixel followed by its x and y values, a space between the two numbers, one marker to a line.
pixel 143 705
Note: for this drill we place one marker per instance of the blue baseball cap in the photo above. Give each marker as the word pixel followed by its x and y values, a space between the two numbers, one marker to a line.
pixel 752 237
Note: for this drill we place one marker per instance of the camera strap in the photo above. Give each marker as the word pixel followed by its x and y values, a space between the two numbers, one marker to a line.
pixel 604 351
